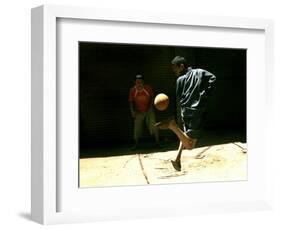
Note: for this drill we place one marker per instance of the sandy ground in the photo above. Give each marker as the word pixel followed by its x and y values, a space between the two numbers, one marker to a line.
pixel 226 162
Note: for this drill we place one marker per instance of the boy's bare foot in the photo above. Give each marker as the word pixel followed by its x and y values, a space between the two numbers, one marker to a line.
pixel 176 165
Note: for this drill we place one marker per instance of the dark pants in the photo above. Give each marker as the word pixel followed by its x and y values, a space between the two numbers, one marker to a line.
pixel 192 122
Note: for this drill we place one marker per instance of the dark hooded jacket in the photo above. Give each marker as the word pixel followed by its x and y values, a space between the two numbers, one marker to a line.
pixel 193 90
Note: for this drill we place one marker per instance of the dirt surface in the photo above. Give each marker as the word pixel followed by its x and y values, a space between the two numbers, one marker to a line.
pixel 226 162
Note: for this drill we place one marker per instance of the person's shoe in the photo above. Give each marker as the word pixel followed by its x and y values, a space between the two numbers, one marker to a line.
pixel 176 165
pixel 158 146
pixel 164 124
pixel 135 147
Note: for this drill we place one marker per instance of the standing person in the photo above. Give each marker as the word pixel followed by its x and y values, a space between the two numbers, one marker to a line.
pixel 193 89
pixel 141 105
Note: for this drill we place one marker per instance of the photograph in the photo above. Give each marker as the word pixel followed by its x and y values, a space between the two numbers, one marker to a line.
pixel 159 114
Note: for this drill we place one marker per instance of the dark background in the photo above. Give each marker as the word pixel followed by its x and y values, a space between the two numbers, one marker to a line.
pixel 107 71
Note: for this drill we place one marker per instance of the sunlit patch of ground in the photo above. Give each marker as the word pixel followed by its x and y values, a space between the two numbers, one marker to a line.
pixel 226 162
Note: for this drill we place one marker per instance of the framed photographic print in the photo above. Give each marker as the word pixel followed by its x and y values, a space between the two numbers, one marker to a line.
pixel 143 114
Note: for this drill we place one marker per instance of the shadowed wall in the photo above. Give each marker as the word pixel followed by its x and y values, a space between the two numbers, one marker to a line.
pixel 107 71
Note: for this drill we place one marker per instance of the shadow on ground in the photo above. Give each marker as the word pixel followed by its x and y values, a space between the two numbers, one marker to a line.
pixel 208 138
pixel 25 215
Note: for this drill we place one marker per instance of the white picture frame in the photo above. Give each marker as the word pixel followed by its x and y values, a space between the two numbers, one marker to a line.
pixel 47 176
